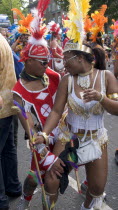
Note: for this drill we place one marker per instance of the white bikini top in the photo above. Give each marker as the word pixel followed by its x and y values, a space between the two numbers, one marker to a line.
pixel 81 115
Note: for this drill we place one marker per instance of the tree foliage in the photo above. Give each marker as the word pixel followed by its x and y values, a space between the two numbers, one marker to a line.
pixel 7 5
pixel 112 11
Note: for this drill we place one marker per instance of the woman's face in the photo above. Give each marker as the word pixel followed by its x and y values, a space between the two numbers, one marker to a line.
pixel 37 67
pixel 73 63
pixel 59 36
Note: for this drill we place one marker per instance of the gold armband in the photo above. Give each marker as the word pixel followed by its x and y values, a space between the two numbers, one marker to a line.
pixel 113 96
pixel 45 136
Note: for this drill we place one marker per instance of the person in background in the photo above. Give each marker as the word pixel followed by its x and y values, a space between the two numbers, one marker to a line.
pixel 9 182
pixel 55 48
pixel 3 32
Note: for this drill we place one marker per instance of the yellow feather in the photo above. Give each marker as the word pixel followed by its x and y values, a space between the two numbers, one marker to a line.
pixel 78 10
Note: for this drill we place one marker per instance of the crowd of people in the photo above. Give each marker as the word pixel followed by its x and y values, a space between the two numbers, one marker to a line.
pixel 58 77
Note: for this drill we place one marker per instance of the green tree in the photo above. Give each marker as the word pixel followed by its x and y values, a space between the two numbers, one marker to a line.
pixel 112 11
pixel 7 5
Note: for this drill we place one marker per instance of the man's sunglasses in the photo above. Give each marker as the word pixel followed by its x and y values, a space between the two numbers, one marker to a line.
pixel 42 62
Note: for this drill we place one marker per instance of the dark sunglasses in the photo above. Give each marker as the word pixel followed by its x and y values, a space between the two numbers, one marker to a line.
pixel 42 62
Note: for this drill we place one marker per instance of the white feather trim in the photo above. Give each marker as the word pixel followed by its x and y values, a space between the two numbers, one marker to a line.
pixel 34 41
pixel 34 12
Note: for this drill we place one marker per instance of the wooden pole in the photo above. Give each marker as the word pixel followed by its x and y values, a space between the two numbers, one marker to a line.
pixel 37 166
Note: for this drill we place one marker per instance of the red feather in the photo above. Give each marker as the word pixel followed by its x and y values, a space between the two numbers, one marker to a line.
pixel 42 6
pixel 39 34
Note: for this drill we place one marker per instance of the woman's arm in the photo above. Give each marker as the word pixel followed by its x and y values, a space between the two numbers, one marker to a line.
pixel 54 52
pixel 110 105
pixel 57 110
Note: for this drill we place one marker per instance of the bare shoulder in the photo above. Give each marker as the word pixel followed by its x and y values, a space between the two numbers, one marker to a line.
pixel 109 75
pixel 64 80
pixel 111 82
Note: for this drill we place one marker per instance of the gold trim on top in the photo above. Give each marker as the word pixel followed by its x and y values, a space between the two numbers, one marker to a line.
pixel 75 46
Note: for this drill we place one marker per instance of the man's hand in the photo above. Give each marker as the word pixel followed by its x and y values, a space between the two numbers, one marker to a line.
pixel 57 168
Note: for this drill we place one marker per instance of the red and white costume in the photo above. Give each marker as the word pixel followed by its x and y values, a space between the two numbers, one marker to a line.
pixel 42 101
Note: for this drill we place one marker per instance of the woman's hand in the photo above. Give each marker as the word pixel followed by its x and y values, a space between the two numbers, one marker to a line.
pixel 91 94
pixel 57 168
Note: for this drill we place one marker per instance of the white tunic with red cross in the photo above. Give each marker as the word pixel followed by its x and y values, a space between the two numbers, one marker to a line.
pixel 41 100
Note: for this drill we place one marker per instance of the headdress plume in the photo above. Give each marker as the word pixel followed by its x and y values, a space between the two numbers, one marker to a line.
pixel 24 23
pixel 78 10
pixel 114 27
pixel 99 20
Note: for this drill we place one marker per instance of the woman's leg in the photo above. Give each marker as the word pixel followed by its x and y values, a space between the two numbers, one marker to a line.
pixel 96 172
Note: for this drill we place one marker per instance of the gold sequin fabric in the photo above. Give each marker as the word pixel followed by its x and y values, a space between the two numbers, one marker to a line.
pixel 96 109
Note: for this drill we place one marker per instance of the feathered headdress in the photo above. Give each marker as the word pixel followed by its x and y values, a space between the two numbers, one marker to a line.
pixel 114 27
pixel 99 20
pixel 37 45
pixel 54 27
pixel 24 23
pixel 88 23
pixel 78 10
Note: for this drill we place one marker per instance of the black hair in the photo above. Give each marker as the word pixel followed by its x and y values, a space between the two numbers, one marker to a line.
pixel 54 35
pixel 99 39
pixel 88 36
pixel 99 58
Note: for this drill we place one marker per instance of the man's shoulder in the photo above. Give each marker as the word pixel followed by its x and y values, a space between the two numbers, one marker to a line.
pixel 51 72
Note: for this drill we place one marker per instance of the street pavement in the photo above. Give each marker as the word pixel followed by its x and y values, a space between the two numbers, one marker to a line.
pixel 71 199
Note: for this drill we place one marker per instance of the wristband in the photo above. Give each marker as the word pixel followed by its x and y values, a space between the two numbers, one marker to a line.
pixel 102 97
pixel 45 136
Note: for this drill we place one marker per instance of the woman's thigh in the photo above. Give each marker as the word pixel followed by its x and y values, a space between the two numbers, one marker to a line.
pixel 96 172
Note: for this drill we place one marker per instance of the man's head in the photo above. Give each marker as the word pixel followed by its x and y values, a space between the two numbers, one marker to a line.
pixel 3 31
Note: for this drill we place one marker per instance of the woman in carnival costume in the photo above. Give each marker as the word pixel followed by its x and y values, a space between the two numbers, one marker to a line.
pixel 36 91
pixel 55 49
pixel 115 47
pixel 87 92
pixel 94 27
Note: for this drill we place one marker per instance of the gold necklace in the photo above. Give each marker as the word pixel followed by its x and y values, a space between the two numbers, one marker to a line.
pixel 86 73
pixel 83 80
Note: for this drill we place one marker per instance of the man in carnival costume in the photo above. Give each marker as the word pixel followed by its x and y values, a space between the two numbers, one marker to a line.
pixel 36 91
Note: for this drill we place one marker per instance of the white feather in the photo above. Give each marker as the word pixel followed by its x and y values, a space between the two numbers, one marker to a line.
pixel 34 41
